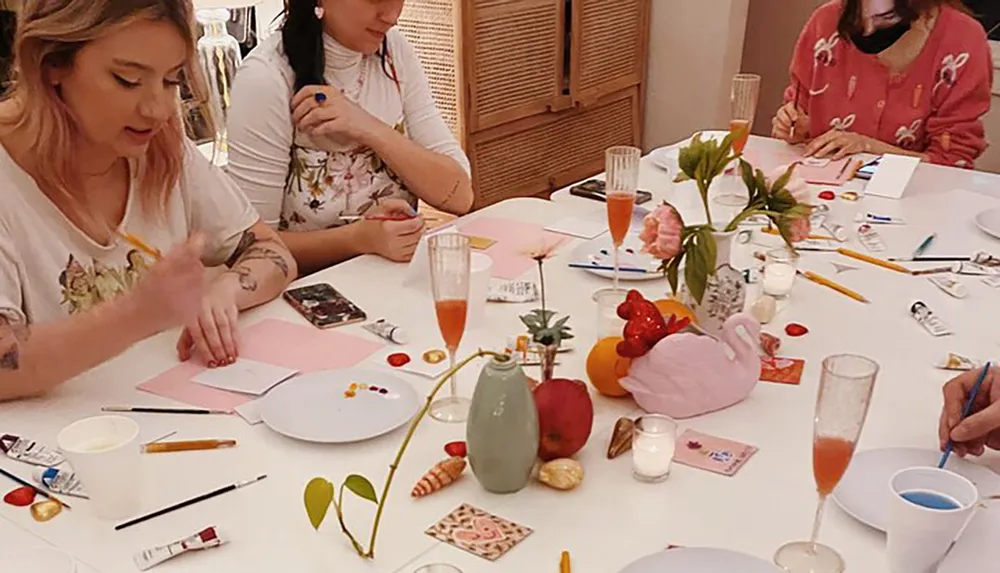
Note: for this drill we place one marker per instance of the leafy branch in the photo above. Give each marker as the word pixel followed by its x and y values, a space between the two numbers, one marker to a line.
pixel 538 321
pixel 319 492
pixel 775 201
pixel 703 161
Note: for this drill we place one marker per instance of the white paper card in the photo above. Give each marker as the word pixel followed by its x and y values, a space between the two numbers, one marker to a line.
pixel 250 412
pixel 245 376
pixel 893 175
pixel 577 227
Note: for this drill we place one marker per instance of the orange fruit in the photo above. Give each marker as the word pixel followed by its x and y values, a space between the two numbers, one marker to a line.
pixel 672 306
pixel 605 368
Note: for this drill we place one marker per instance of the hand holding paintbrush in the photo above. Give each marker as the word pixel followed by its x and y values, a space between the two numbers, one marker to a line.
pixel 970 418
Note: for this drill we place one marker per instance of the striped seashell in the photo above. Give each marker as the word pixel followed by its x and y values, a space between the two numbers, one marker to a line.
pixel 439 476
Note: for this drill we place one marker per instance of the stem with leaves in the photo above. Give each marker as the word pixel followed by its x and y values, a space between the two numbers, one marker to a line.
pixel 319 493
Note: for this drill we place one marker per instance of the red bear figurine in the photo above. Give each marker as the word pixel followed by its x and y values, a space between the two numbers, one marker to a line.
pixel 644 326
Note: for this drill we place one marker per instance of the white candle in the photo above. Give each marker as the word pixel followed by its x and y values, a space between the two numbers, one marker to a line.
pixel 778 279
pixel 653 447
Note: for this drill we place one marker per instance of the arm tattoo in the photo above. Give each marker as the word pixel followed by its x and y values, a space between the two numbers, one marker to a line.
pixel 12 335
pixel 260 252
pixel 245 274
pixel 247 240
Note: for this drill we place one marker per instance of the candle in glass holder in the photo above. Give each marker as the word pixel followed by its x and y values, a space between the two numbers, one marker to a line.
pixel 653 447
pixel 780 268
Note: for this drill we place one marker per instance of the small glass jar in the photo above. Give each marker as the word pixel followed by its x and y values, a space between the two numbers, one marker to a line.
pixel 608 322
pixel 780 268
pixel 653 444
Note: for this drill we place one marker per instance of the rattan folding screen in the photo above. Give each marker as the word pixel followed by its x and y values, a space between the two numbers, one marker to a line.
pixel 535 90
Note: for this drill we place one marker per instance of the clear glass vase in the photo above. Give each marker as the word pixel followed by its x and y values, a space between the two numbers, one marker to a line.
pixel 220 57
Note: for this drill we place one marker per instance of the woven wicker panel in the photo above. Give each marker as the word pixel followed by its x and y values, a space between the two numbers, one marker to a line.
pixel 610 41
pixel 516 66
pixel 430 26
pixel 525 162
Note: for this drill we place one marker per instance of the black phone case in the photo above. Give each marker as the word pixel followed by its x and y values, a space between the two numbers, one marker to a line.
pixel 594 189
pixel 324 306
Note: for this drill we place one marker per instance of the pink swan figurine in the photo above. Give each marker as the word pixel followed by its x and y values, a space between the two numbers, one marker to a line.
pixel 687 375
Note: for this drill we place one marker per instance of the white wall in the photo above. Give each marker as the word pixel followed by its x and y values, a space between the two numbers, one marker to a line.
pixel 695 48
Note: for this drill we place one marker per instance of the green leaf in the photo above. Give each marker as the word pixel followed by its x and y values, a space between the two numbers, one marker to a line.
pixel 746 170
pixel 672 272
pixel 317 497
pixel 782 201
pixel 531 322
pixel 560 323
pixel 782 182
pixel 361 487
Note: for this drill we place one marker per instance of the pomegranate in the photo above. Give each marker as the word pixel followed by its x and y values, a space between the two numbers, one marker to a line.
pixel 565 417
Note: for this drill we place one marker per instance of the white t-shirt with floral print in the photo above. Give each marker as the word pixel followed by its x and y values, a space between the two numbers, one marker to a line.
pixel 50 269
pixel 301 185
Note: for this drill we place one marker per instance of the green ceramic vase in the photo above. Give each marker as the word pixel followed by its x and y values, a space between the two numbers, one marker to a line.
pixel 502 430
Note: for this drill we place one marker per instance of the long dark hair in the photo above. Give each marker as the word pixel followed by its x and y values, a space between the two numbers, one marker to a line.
pixel 302 37
pixel 908 11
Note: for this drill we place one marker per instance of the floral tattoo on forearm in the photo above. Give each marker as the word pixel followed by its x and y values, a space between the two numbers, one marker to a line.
pixel 12 336
pixel 252 249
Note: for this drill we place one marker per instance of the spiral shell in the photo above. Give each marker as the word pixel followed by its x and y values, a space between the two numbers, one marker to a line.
pixel 439 476
pixel 563 474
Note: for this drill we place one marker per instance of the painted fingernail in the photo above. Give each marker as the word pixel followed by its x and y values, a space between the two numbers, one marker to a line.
pixel 212 364
pixel 230 360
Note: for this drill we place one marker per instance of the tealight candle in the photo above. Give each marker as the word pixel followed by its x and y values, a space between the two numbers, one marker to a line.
pixel 653 447
pixel 779 272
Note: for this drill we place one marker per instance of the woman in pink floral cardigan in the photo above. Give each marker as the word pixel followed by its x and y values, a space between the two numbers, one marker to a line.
pixel 909 77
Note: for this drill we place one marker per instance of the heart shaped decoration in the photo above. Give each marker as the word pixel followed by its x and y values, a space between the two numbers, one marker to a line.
pixel 484 530
pixel 21 497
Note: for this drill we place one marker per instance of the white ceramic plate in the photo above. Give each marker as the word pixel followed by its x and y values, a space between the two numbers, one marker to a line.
pixel 989 222
pixel 313 407
pixel 864 490
pixel 37 560
pixel 700 560
pixel 599 252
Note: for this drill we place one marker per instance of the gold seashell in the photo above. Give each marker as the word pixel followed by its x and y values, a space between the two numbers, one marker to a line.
pixel 563 474
pixel 434 356
pixel 621 438
pixel 45 510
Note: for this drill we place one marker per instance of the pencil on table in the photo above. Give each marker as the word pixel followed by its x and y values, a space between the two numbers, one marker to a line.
pixel 164 447
pixel 564 563
pixel 835 286
pixel 874 261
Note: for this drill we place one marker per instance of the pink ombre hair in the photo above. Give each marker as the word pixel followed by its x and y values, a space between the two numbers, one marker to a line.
pixel 49 34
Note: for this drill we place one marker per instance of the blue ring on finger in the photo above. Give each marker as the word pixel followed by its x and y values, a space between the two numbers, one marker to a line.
pixel 320 97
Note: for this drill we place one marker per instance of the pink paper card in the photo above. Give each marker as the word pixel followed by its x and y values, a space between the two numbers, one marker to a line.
pixel 176 384
pixel 513 239
pixel 303 347
pixel 814 172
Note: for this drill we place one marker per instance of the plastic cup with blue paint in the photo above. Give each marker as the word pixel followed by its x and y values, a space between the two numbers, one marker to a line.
pixel 930 508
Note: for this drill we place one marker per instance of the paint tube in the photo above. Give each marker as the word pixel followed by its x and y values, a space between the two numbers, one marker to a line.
pixel 59 481
pixel 29 451
pixel 985 259
pixel 958 362
pixel 874 219
pixel 204 539
pixel 513 291
pixel 948 284
pixel 870 238
pixel 387 330
pixel 970 268
pixel 931 323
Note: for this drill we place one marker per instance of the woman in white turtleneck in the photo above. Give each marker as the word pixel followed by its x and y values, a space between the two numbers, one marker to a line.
pixel 334 119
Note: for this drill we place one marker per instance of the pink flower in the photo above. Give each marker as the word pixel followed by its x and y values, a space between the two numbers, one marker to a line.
pixel 797 186
pixel 661 232
pixel 799 229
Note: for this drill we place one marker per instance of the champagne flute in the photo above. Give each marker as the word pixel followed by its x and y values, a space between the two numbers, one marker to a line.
pixel 743 108
pixel 450 257
pixel 845 393
pixel 622 180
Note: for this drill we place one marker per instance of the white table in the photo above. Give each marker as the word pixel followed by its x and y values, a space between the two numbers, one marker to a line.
pixel 611 519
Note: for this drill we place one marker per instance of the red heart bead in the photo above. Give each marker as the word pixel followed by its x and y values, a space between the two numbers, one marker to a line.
pixel 398 359
pixel 795 329
pixel 21 497
pixel 456 449
pixel 827 195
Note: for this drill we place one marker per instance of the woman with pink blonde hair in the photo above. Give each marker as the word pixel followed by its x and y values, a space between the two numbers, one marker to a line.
pixel 110 215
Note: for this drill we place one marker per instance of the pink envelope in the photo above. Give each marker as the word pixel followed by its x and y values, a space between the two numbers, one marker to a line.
pixel 512 238
pixel 278 342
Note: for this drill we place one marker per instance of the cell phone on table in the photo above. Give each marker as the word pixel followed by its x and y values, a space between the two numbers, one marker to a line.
pixel 595 189
pixel 324 306
pixel 867 171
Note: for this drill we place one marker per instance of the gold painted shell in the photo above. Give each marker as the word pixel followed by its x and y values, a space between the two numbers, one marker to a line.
pixel 563 474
